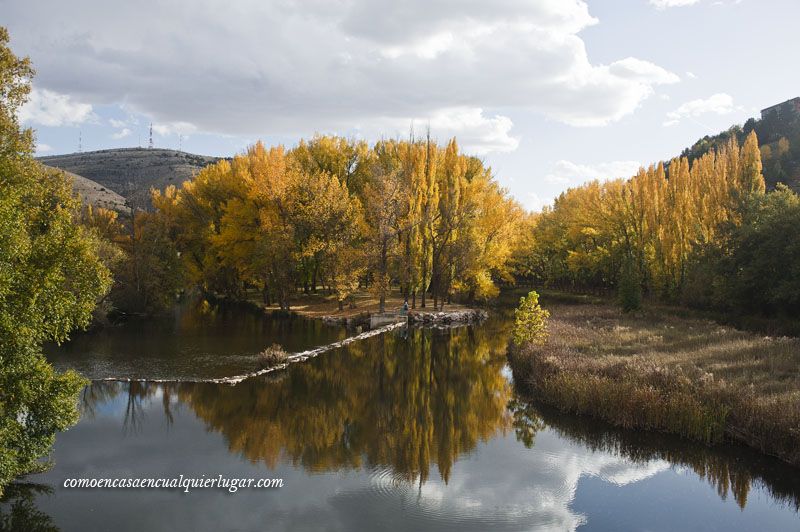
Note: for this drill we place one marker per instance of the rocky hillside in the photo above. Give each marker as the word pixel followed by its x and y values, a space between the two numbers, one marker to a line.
pixel 94 193
pixel 131 172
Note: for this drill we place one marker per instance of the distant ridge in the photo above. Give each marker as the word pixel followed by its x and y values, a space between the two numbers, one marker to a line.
pixel 132 172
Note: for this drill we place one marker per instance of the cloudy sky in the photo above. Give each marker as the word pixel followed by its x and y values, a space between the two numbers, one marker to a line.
pixel 550 92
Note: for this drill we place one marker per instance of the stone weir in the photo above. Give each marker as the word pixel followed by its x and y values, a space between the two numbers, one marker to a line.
pixel 425 318
pixel 445 317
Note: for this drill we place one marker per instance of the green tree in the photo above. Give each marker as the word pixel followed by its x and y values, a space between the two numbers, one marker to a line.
pixel 50 280
pixel 149 277
pixel 756 267
pixel 530 321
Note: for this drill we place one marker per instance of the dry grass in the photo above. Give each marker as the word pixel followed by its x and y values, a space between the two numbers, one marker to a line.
pixel 657 371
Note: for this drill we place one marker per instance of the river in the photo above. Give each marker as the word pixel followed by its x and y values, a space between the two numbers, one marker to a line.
pixel 418 429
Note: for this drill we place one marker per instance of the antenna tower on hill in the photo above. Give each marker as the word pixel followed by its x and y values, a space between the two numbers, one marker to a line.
pixel 80 142
pixel 150 146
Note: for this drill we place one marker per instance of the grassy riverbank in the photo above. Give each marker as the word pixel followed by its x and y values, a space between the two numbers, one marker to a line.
pixel 658 371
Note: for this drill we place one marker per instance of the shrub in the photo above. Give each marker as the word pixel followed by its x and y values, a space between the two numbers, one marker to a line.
pixel 530 321
pixel 272 356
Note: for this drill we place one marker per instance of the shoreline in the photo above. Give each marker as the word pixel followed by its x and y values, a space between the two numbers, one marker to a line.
pixel 655 371
pixel 324 308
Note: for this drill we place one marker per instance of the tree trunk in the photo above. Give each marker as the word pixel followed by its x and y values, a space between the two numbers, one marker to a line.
pixel 435 284
pixel 383 273
pixel 424 287
pixel 314 277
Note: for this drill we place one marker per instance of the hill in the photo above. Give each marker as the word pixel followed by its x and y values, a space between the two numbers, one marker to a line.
pixel 131 172
pixel 94 193
pixel 778 131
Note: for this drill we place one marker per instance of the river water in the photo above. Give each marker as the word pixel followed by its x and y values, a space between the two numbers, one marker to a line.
pixel 407 430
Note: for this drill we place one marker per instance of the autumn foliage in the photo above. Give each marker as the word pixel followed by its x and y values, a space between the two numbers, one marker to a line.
pixel 652 227
pixel 336 214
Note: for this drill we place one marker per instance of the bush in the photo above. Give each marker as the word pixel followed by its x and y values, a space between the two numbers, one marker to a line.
pixel 272 356
pixel 530 321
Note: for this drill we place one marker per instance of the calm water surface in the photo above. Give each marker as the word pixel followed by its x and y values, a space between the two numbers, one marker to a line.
pixel 199 340
pixel 417 430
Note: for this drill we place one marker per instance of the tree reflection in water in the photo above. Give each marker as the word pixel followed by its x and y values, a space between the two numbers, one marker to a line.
pixel 408 403
pixel 732 470
pixel 411 402
pixel 404 401
pixel 18 509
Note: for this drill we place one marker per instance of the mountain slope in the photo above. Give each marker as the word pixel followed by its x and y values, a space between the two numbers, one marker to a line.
pixel 94 193
pixel 132 172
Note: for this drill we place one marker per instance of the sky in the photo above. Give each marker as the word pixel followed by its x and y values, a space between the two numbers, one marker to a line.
pixel 550 93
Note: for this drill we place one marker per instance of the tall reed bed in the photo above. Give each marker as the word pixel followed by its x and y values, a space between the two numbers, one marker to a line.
pixel 660 372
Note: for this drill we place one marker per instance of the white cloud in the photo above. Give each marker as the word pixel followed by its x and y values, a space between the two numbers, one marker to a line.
pixel 623 473
pixel 476 133
pixel 664 4
pixel 720 104
pixel 535 202
pixel 642 71
pixel 583 100
pixel 117 123
pixel 427 48
pixel 533 490
pixel 358 61
pixel 691 75
pixel 568 172
pixel 48 108
pixel 121 134
pixel 174 128
pixel 41 147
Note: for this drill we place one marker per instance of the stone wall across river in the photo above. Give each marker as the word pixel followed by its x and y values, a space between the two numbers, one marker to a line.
pixel 416 317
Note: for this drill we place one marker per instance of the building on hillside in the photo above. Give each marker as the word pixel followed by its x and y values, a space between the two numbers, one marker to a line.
pixel 789 106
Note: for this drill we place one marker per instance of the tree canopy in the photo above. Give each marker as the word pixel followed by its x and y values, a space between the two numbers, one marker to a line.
pixel 50 280
pixel 338 214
